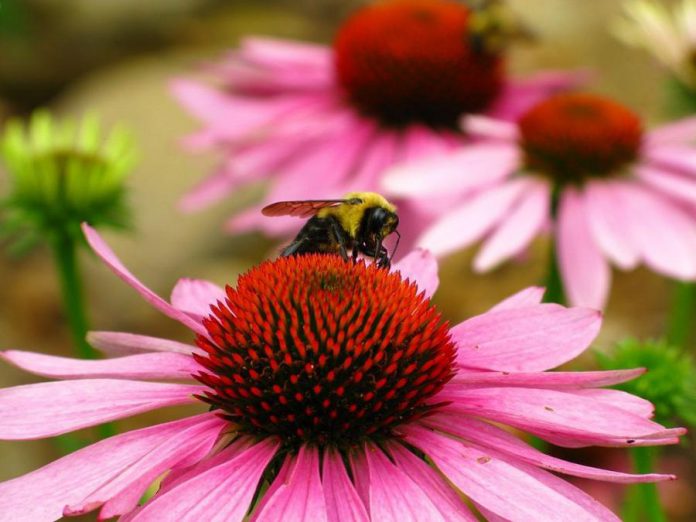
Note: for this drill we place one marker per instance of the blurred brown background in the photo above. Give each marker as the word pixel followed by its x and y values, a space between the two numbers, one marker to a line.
pixel 116 57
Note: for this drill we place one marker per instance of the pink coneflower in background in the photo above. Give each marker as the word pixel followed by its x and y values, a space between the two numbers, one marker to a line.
pixel 319 121
pixel 338 394
pixel 583 163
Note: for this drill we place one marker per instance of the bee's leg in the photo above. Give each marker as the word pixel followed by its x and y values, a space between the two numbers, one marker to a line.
pixel 354 253
pixel 382 256
pixel 335 229
pixel 293 248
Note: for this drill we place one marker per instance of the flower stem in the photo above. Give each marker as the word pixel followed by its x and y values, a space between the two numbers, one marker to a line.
pixel 554 283
pixel 65 252
pixel 643 502
pixel 682 314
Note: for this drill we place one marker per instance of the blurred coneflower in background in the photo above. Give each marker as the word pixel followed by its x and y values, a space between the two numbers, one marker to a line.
pixel 62 174
pixel 580 165
pixel 317 121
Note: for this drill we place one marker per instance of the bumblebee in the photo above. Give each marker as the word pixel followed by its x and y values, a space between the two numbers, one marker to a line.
pixel 493 26
pixel 358 223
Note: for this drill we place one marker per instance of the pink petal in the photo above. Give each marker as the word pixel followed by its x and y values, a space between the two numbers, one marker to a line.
pixel 205 103
pixel 469 221
pixel 552 380
pixel 490 128
pixel 143 366
pixel 41 495
pixel 394 497
pixel 121 343
pixel 210 190
pixel 458 172
pixel 194 296
pixel 322 167
pixel 231 117
pixel 240 74
pixel 536 338
pixel 664 234
pixel 300 496
pixel 420 266
pixel 421 142
pixel 523 222
pixel 378 156
pixel 226 450
pixel 277 52
pixel 608 225
pixel 492 437
pixel 108 256
pixel 679 131
pixel 121 493
pixel 596 509
pixel 361 475
pixel 670 184
pixel 506 489
pixel 552 412
pixel 665 438
pixel 34 411
pixel 524 298
pixel 680 158
pixel 591 505
pixel 342 501
pixel 584 270
pixel 255 160
pixel 222 493
pixel 622 400
pixel 447 500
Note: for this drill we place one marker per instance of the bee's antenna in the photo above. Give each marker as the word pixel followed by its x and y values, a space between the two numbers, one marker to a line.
pixel 398 238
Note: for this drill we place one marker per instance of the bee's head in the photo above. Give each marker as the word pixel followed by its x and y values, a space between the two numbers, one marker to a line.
pixel 378 223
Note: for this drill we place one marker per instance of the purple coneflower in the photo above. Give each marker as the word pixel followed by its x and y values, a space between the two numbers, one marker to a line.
pixel 336 393
pixel 319 121
pixel 583 165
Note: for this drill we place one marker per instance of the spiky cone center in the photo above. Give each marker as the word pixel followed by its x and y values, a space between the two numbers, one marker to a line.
pixel 416 61
pixel 316 349
pixel 575 136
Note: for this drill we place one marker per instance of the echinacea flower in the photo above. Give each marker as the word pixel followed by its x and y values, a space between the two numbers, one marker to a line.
pixel 62 174
pixel 319 121
pixel 669 34
pixel 337 394
pixel 612 191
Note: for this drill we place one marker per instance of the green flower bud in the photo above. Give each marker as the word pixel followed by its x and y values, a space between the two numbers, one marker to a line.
pixel 670 382
pixel 62 174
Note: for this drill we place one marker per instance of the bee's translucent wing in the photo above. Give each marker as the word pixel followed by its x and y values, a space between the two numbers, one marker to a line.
pixel 303 209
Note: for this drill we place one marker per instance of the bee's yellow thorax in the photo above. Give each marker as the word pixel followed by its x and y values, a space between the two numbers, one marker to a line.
pixel 350 216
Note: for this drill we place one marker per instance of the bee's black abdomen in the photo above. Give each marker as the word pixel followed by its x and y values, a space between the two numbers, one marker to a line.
pixel 318 235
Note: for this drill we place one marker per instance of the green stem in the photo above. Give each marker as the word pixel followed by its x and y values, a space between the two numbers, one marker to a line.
pixel 682 314
pixel 554 283
pixel 643 501
pixel 65 251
